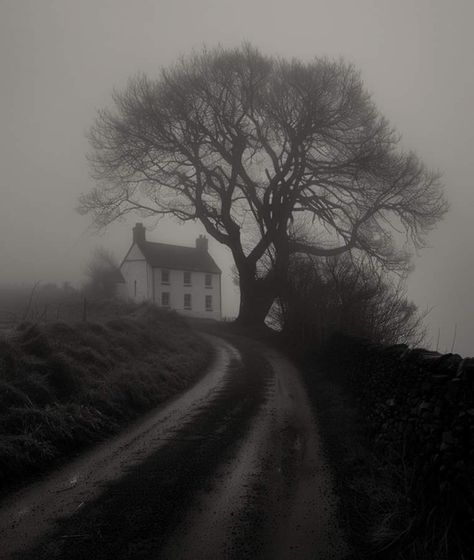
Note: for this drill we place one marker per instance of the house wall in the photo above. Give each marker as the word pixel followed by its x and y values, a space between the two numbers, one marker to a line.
pixel 137 275
pixel 197 289
pixel 143 283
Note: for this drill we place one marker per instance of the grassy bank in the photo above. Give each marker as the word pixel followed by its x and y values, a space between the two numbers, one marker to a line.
pixel 128 521
pixel 64 386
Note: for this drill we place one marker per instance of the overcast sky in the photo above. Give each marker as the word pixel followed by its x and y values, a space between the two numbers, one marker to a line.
pixel 61 59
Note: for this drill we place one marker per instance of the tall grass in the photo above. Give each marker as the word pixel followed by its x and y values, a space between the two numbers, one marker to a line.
pixel 64 386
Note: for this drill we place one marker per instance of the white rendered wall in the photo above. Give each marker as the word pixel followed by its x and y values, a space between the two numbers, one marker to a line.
pixel 197 289
pixel 135 269
pixel 148 286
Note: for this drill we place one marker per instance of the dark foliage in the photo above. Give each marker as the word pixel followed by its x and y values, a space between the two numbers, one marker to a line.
pixel 327 296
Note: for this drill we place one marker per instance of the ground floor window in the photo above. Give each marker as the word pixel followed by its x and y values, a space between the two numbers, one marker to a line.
pixel 165 299
pixel 208 303
pixel 187 301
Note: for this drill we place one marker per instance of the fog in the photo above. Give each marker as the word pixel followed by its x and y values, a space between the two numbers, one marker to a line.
pixel 60 61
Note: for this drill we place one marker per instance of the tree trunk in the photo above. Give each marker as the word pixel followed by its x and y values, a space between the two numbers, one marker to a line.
pixel 256 299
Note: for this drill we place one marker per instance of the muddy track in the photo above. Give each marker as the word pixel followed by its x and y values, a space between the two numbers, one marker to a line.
pixel 231 470
pixel 136 515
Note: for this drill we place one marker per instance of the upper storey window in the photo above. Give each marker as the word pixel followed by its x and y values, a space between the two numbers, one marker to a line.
pixel 165 276
pixel 187 278
pixel 208 281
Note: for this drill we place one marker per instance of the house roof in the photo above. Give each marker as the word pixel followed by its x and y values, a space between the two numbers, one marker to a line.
pixel 176 257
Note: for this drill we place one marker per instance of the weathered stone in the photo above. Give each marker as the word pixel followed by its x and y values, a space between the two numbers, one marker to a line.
pixel 432 423
pixel 449 363
pixel 418 355
pixel 454 389
pixel 447 437
pixel 426 387
pixel 468 368
pixel 425 405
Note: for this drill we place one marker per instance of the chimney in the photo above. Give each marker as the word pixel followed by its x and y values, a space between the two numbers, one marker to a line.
pixel 201 243
pixel 139 234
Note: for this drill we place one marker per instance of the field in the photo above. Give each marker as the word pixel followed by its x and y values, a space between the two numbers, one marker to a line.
pixel 49 303
pixel 65 385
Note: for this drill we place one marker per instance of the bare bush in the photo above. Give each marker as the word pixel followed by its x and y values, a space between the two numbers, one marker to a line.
pixel 341 295
pixel 103 275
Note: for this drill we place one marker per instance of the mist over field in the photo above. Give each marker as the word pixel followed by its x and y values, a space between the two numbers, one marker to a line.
pixel 60 62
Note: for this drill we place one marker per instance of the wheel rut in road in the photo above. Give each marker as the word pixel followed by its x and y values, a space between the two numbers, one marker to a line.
pixel 135 515
pixel 273 498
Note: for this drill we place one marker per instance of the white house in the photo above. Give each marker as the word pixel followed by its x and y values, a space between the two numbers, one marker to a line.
pixel 185 279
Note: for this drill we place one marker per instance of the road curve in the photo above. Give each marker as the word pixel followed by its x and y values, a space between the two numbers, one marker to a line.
pixel 32 512
pixel 232 469
pixel 273 499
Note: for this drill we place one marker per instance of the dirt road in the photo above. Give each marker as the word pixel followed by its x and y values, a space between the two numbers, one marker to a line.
pixel 231 469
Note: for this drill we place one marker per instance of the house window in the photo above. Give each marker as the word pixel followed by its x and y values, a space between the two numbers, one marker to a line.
pixel 165 299
pixel 187 278
pixel 187 301
pixel 135 288
pixel 208 303
pixel 165 276
pixel 208 281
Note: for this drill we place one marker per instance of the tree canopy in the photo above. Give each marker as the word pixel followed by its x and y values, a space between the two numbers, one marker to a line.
pixel 274 157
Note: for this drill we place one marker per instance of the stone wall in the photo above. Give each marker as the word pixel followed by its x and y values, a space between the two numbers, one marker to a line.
pixel 418 408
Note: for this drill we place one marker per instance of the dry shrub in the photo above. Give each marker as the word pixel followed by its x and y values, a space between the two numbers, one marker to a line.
pixel 28 365
pixel 63 378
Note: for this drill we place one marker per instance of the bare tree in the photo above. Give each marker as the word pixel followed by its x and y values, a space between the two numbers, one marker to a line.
pixel 274 157
pixel 103 274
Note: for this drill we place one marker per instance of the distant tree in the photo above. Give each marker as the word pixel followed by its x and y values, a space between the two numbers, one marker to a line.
pixel 340 294
pixel 103 274
pixel 67 288
pixel 274 157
